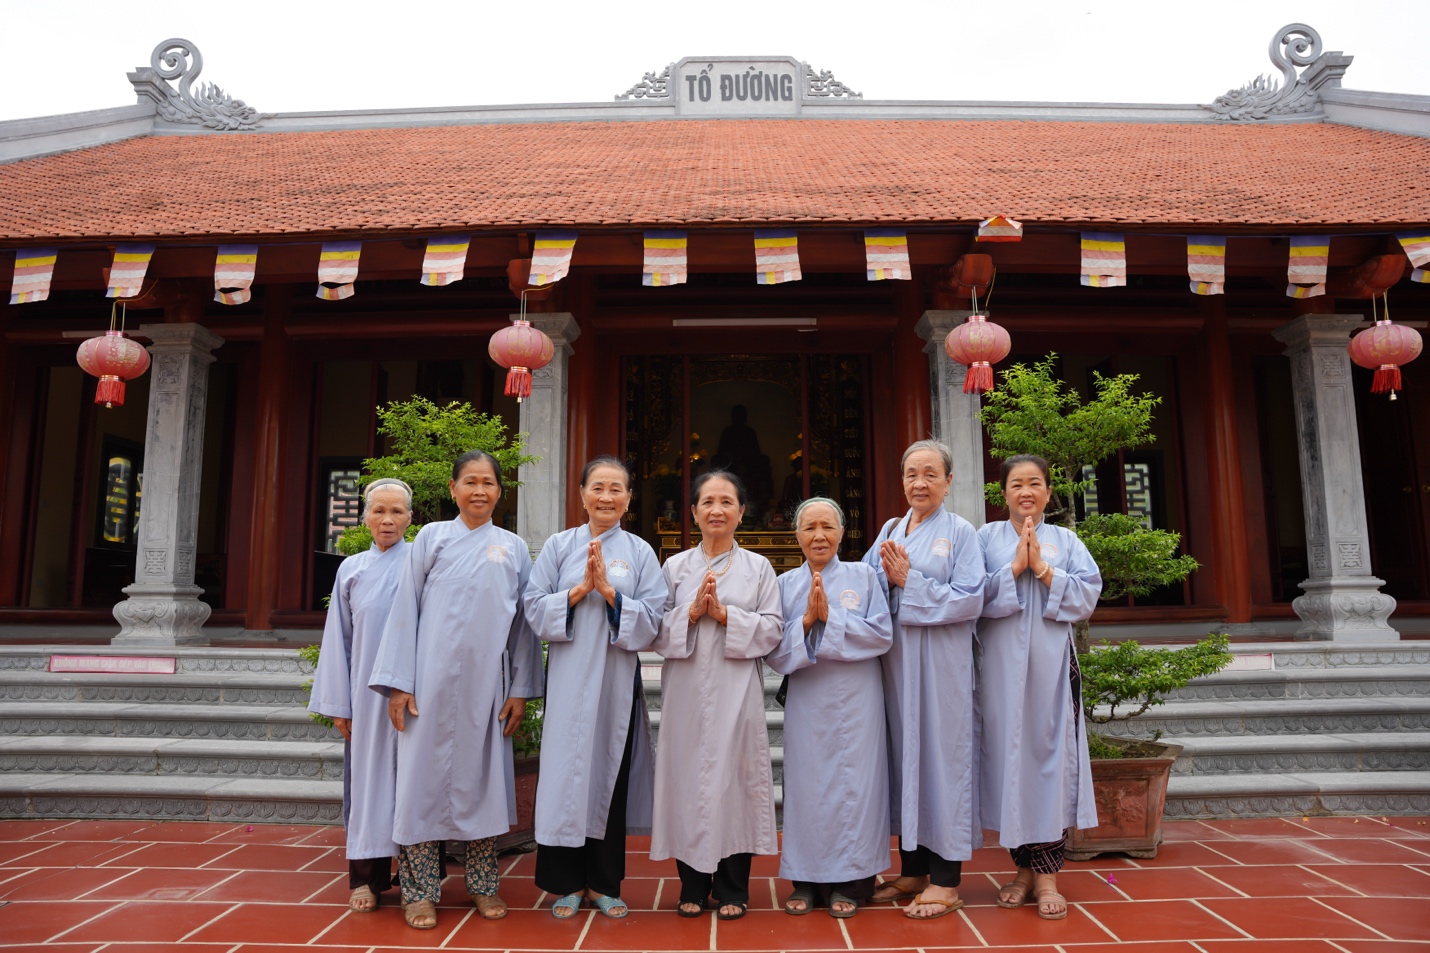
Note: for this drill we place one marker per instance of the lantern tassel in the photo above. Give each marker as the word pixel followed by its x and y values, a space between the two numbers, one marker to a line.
pixel 110 391
pixel 1387 378
pixel 979 379
pixel 518 382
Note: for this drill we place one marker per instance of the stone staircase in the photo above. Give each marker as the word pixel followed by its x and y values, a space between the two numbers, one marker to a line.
pixel 223 738
pixel 1293 728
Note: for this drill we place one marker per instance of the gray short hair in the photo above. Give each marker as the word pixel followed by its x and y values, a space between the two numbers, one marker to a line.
pixel 936 446
pixel 838 510
pixel 385 482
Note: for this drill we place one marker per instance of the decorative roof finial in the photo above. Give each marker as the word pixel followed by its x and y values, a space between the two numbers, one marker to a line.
pixel 1295 44
pixel 210 106
pixel 651 86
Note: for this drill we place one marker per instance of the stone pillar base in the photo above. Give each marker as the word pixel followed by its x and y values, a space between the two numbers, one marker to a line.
pixel 161 614
pixel 1345 609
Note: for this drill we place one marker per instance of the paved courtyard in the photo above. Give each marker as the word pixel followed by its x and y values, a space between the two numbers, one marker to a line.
pixel 1308 885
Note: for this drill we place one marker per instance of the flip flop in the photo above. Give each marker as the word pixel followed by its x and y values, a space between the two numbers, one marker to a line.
pixel 899 896
pixel 420 908
pixel 842 914
pixel 572 902
pixel 1018 885
pixel 607 904
pixel 743 907
pixel 949 906
pixel 804 894
pixel 704 905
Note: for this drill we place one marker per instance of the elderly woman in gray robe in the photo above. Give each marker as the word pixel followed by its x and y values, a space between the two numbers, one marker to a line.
pixel 357 612
pixel 714 795
pixel 1036 775
pixel 836 790
pixel 930 562
pixel 596 596
pixel 458 663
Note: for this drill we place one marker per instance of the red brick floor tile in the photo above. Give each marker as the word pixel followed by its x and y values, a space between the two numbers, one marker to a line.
pixel 46 948
pixel 1178 831
pixel 1172 883
pixel 765 865
pixel 251 948
pixel 268 923
pixel 638 892
pixel 884 926
pixel 386 926
pixel 258 886
pixel 525 865
pixel 185 832
pixel 1399 919
pixel 19 830
pixel 1278 881
pixel 1375 851
pixel 1023 926
pixel 977 890
pixel 1265 946
pixel 1379 880
pixel 336 891
pixel 991 860
pixel 79 854
pixel 1185 854
pixel 1272 851
pixel 334 860
pixel 270 833
pixel 59 883
pixel 639 931
pixel 94 830
pixel 38 921
pixel 520 893
pixel 1157 946
pixel 640 865
pixel 1151 920
pixel 188 855
pixel 1360 946
pixel 8 874
pixel 1410 827
pixel 538 929
pixel 1343 826
pixel 160 883
pixel 1291 917
pixel 265 857
pixel 326 837
pixel 639 844
pixel 138 921
pixel 771 929
pixel 10 853
pixel 1085 886
pixel 1258 827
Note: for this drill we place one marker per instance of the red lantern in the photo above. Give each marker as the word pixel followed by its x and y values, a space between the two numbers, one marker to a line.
pixel 113 358
pixel 523 349
pixel 979 344
pixel 1383 347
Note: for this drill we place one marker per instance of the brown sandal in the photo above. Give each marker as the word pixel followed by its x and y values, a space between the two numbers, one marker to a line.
pixel 898 896
pixel 949 906
pixel 1017 899
pixel 491 907
pixel 362 900
pixel 420 908
pixel 1051 897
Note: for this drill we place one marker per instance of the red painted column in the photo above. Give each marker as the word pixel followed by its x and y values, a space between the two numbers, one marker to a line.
pixel 1228 510
pixel 265 554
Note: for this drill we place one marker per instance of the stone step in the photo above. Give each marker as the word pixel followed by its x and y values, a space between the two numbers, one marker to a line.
pixel 1308 793
pixel 217 688
pixel 143 756
pixel 1272 754
pixel 1300 656
pixel 189 660
pixel 181 797
pixel 1330 682
pixel 1278 716
pixel 285 723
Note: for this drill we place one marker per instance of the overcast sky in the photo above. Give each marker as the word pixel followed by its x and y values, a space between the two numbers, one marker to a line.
pixel 297 55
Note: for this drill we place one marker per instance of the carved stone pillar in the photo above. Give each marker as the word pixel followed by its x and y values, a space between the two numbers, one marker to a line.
pixel 955 415
pixel 163 606
pixel 1342 599
pixel 541 504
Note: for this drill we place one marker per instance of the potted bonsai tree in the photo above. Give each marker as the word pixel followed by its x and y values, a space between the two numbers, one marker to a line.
pixel 1035 412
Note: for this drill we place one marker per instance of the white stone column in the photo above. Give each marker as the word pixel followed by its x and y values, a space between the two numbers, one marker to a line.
pixel 955 415
pixel 1342 599
pixel 163 606
pixel 541 504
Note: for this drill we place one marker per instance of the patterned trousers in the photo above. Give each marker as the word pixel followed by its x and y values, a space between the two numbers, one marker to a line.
pixel 419 868
pixel 1041 858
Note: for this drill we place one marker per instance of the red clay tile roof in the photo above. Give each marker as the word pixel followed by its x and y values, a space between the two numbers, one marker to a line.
pixel 719 173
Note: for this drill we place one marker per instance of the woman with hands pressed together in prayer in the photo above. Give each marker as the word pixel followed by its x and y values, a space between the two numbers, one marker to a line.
pixel 714 796
pixel 458 663
pixel 596 596
pixel 929 562
pixel 1036 779
pixel 836 788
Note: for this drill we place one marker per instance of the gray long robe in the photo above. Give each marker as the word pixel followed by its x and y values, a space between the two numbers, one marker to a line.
pixel 714 793
pixel 591 671
pixel 1036 776
pixel 362 598
pixel 928 684
pixel 836 790
pixel 458 640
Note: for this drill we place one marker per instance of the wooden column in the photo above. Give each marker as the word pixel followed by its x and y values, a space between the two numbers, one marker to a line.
pixel 1228 512
pixel 265 554
pixel 913 406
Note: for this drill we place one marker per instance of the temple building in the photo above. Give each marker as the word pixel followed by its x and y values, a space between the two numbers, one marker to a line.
pixel 751 266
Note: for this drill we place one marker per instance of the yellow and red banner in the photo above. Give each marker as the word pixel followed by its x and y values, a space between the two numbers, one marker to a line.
pixel 338 269
pixel 34 268
pixel 886 254
pixel 776 256
pixel 234 267
pixel 551 257
pixel 126 274
pixel 445 259
pixel 1206 264
pixel 1104 260
pixel 1306 269
pixel 1000 228
pixel 666 261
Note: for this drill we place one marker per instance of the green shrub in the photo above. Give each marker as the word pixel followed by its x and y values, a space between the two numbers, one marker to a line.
pixel 1123 676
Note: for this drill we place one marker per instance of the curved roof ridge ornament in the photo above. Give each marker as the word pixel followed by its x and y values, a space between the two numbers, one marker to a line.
pixel 209 106
pixel 822 84
pixel 651 86
pixel 1295 44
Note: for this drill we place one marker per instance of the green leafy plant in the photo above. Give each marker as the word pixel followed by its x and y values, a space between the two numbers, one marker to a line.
pixel 309 654
pixel 1133 560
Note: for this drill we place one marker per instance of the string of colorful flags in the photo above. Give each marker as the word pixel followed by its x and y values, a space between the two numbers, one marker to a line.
pixel 1103 261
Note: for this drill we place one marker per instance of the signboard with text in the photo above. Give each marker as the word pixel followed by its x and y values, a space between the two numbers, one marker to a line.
pixel 738 86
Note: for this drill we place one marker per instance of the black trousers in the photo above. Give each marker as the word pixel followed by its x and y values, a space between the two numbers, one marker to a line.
pixel 599 864
pixel 372 872
pixel 857 890
pixel 729 884
pixel 922 862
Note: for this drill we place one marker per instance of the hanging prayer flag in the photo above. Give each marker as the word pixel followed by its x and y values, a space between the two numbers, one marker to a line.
pixel 1206 264
pixel 1419 275
pixel 1417 247
pixel 886 254
pixel 1306 269
pixel 1000 228
pixel 776 256
pixel 665 259
pixel 34 267
pixel 446 258
pixel 551 257
pixel 126 274
pixel 233 273
pixel 338 269
pixel 1104 260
